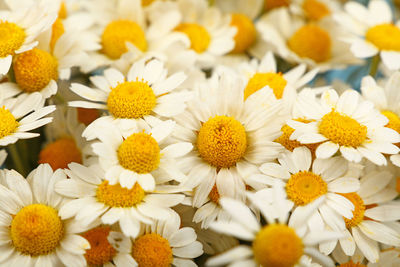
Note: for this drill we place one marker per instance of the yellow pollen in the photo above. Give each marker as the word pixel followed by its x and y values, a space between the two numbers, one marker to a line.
pixel 8 123
pixel 359 209
pixel 384 36
pixel 12 37
pixel 56 32
pixel 246 32
pixel 36 230
pixel 277 245
pixel 60 153
pixel 352 264
pixel 214 195
pixel 117 33
pixel 259 80
pixel 304 187
pixel 147 2
pixel 117 196
pixel 152 250
pixel 271 4
pixel 315 10
pixel 101 251
pixel 394 120
pixel 34 69
pixel 197 34
pixel 342 130
pixel 87 115
pixel 62 12
pixel 222 141
pixel 311 41
pixel 131 100
pixel 139 153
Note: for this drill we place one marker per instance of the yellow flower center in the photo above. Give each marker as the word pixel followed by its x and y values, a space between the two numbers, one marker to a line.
pixel 36 230
pixel 358 212
pixel 214 195
pixel 222 141
pixel 56 32
pixel 117 196
pixel 259 80
pixel 277 245
pixel 147 2
pixel 8 123
pixel 152 250
pixel 87 115
pixel 34 69
pixel 139 153
pixel 60 153
pixel 394 120
pixel 62 12
pixel 271 4
pixel 352 264
pixel 342 130
pixel 117 33
pixel 304 187
pixel 315 10
pixel 311 41
pixel 246 32
pixel 12 37
pixel 101 251
pixel 197 34
pixel 131 100
pixel 384 36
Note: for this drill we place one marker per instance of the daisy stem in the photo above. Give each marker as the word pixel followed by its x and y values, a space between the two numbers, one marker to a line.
pixel 374 65
pixel 18 164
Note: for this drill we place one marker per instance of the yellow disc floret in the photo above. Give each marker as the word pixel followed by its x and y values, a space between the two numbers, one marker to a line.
pixel 62 12
pixel 384 36
pixel 12 37
pixel 101 251
pixel 214 195
pixel 275 81
pixel 246 32
pixel 311 41
pixel 152 250
pixel 222 141
pixel 358 212
pixel 271 4
pixel 139 153
pixel 117 33
pixel 342 130
pixel 34 70
pixel 394 120
pixel 8 123
pixel 147 2
pixel 60 153
pixel 36 230
pixel 197 34
pixel 315 10
pixel 56 31
pixel 131 100
pixel 304 187
pixel 87 115
pixel 117 196
pixel 352 264
pixel 277 245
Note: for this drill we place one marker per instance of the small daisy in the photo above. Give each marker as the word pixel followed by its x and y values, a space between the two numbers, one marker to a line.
pixel 15 121
pixel 346 123
pixel 94 197
pixel 145 93
pixel 33 233
pixel 282 242
pixel 374 31
pixel 19 27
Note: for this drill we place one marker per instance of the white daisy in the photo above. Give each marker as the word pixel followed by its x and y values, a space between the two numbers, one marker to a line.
pixel 94 197
pixel 32 232
pixel 145 93
pixel 16 123
pixel 346 123
pixel 373 31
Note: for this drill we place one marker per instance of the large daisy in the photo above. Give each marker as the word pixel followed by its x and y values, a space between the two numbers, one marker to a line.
pixel 32 231
pixel 346 123
pixel 93 198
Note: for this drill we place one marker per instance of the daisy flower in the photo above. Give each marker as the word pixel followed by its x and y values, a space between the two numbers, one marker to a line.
pixel 386 100
pixel 33 233
pixel 282 242
pixel 93 197
pixel 298 41
pixel 374 31
pixel 346 123
pixel 145 93
pixel 19 28
pixel 15 121
pixel 229 137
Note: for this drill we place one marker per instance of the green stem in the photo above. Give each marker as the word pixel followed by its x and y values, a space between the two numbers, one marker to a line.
pixel 374 65
pixel 18 164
